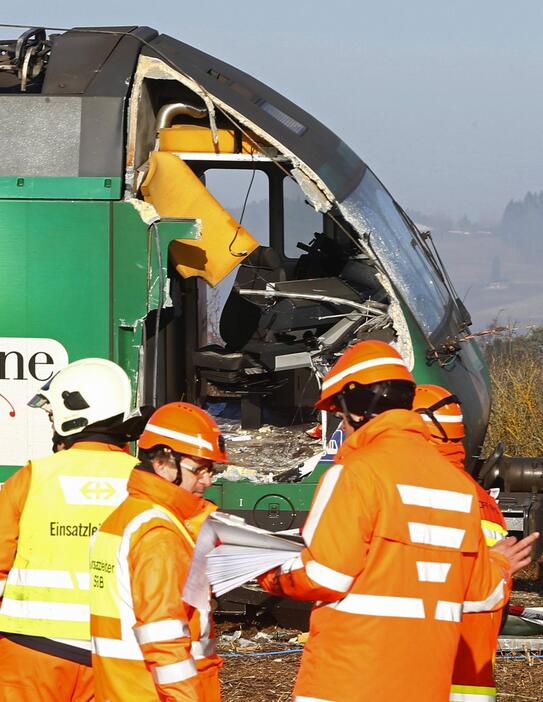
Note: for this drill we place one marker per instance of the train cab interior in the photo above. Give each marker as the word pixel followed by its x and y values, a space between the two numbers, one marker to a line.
pixel 272 289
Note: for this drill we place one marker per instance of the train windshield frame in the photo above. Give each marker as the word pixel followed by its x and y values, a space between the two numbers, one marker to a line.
pixel 371 209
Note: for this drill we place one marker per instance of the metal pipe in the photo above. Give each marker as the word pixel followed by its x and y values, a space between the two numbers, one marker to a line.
pixel 371 308
pixel 167 113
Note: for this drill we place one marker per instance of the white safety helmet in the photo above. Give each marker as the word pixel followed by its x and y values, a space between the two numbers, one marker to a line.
pixel 85 392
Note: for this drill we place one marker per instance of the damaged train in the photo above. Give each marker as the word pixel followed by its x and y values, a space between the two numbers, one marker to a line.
pixel 121 150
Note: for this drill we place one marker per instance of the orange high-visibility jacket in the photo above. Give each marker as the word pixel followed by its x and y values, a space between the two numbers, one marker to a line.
pixel 159 648
pixel 473 675
pixel 394 554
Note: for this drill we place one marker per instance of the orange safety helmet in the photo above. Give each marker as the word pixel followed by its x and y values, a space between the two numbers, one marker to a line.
pixel 442 410
pixel 364 363
pixel 185 429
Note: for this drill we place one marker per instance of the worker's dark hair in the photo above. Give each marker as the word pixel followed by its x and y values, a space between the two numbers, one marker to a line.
pixel 367 400
pixel 146 457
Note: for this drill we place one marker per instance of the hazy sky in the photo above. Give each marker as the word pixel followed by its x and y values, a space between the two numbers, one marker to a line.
pixel 442 99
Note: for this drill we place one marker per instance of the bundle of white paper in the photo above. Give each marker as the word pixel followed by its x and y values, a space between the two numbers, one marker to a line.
pixel 230 566
pixel 244 553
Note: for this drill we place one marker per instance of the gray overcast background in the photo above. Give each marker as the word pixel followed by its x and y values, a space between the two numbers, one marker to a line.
pixel 442 99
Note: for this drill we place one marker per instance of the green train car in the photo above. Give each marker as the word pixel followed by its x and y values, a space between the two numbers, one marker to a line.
pixel 112 240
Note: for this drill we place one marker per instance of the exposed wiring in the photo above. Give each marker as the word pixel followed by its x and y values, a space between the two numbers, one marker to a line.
pixel 370 308
pixel 261 653
pixel 149 266
pixel 160 303
pixel 241 254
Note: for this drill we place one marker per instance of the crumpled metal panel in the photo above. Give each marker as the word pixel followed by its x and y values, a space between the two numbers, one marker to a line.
pixel 40 136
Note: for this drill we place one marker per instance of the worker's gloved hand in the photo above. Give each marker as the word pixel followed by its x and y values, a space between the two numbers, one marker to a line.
pixel 516 552
pixel 269 581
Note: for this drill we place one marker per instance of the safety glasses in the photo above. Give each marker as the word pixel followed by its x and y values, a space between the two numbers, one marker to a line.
pixel 202 468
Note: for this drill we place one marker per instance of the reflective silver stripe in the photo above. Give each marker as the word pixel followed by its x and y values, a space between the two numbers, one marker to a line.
pixel 435 499
pixel 203 649
pixel 302 698
pixel 430 572
pixel 126 605
pixel 165 630
pixel 332 579
pixel 127 649
pixel 83 581
pixel 40 578
pixel 187 438
pixel 472 693
pixel 448 611
pixel 174 672
pixel 433 535
pixel 55 611
pixel 363 365
pixel 381 606
pixel 206 645
pixel 323 496
pixel 491 601
pixel 2 587
pixel 292 564
pixel 492 537
pixel 471 697
pixel 445 418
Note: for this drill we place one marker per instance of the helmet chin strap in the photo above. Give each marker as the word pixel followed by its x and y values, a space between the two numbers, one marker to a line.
pixel 429 412
pixel 368 412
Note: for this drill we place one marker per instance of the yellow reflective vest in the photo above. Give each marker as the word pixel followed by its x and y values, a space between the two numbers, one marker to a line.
pixel 70 495
pixel 146 642
pixel 110 586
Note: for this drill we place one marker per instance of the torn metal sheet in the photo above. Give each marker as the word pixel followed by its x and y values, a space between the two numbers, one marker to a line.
pixel 145 210
pixel 312 192
pixel 154 68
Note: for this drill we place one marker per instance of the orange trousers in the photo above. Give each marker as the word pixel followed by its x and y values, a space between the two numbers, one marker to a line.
pixel 31 676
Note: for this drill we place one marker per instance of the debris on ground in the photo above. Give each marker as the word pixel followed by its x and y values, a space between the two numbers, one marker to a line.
pixel 236 473
pixel 254 636
pixel 256 449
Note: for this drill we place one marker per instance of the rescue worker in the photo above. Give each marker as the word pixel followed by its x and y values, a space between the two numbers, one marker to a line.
pixel 394 549
pixel 147 643
pixel 49 509
pixel 473 675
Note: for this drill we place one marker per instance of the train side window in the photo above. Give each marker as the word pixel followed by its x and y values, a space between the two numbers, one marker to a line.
pixel 230 188
pixel 301 220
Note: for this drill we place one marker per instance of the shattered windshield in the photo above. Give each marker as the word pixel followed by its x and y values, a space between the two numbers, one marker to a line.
pixel 370 209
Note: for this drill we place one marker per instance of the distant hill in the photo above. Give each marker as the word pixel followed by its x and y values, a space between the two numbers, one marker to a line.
pixel 522 223
pixel 497 269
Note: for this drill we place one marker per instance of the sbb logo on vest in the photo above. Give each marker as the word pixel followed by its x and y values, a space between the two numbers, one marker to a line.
pixel 87 490
pixel 25 365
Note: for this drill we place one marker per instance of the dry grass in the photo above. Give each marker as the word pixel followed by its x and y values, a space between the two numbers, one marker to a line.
pixel 519 681
pixel 516 372
pixel 259 679
pixel 271 679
